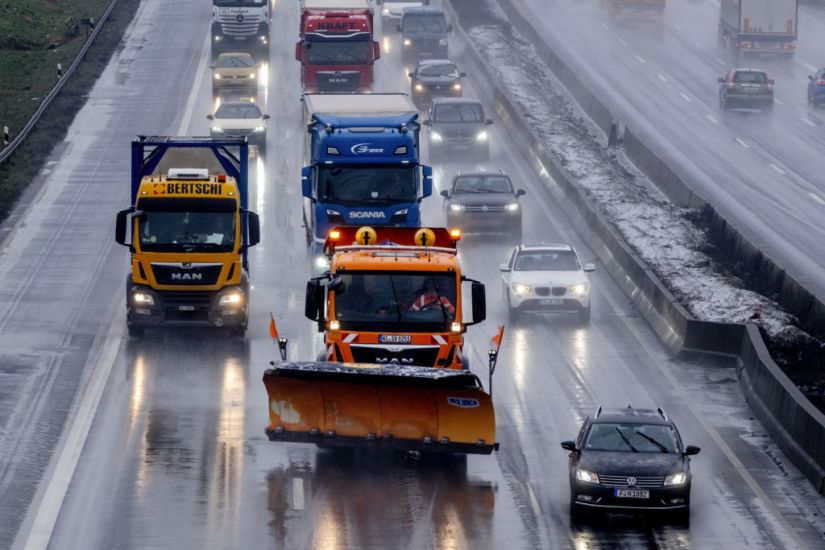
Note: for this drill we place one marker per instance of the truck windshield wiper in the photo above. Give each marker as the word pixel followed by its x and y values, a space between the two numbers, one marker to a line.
pixel 395 299
pixel 627 441
pixel 661 447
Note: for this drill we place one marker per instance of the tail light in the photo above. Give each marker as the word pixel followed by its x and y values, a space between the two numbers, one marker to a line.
pixel 789 45
pixel 820 83
pixel 746 45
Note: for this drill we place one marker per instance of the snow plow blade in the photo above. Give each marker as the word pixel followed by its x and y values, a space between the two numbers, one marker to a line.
pixel 388 406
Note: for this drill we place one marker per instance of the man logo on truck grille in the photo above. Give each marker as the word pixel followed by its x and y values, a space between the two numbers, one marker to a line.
pixel 187 276
pixel 463 402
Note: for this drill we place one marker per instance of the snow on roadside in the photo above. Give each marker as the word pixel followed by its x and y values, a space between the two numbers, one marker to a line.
pixel 660 232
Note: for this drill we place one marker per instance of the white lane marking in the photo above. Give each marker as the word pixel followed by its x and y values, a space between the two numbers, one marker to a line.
pixel 622 42
pixel 605 26
pixel 678 28
pixel 641 60
pixel 190 101
pixel 720 61
pixel 776 169
pixel 685 97
pixel 661 77
pixel 808 121
pixel 817 198
pixel 712 119
pixel 742 143
pixel 58 484
pixel 778 101
pixel 297 493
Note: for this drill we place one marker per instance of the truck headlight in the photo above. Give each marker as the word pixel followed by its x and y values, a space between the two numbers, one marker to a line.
pixel 259 129
pixel 512 207
pixel 217 129
pixel 676 479
pixel 407 42
pixel 217 38
pixel 253 75
pixel 402 212
pixel 436 137
pixel 482 136
pixel 142 299
pixel 322 263
pixel 232 298
pixel 579 289
pixel 587 477
pixel 385 11
pixel 331 212
pixel 456 207
pixel 442 42
pixel 521 289
pixel 216 76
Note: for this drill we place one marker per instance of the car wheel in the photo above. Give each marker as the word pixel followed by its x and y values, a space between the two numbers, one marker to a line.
pixel 723 104
pixel 135 332
pixel 262 149
pixel 584 315
pixel 577 513
pixel 681 516
pixel 769 107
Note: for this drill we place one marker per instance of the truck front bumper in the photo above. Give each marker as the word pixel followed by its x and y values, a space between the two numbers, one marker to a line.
pixel 148 308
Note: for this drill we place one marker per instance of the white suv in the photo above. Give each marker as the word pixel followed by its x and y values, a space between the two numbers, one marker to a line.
pixel 546 278
pixel 238 119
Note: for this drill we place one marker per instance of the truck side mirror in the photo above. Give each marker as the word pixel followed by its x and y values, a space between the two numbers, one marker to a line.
pixel 120 228
pixel 314 300
pixel 254 225
pixel 298 52
pixel 376 51
pixel 427 187
pixel 479 302
pixel 306 181
pixel 427 123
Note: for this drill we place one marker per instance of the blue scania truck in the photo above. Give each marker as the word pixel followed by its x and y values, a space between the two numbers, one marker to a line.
pixel 362 163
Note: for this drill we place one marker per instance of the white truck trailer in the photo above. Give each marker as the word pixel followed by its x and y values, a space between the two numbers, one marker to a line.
pixel 759 26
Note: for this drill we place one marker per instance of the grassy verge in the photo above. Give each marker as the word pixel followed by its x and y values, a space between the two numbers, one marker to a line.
pixel 32 42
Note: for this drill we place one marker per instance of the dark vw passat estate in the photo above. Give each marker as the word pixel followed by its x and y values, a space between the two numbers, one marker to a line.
pixel 630 459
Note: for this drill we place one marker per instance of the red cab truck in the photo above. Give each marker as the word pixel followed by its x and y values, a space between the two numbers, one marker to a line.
pixel 337 49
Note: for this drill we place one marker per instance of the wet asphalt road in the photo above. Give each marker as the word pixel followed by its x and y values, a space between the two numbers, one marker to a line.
pixel 763 171
pixel 176 456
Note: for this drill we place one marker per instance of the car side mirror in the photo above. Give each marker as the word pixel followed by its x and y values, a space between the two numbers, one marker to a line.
pixel 445 193
pixel 691 450
pixel 771 82
pixel 488 121
pixel 504 268
pixel 254 225
pixel 569 446
pixel 462 75
pixel 720 80
pixel 266 117
pixel 427 123
pixel 449 27
pixel 811 77
pixel 210 117
pixel 411 75
pixel 212 66
pixel 588 268
pixel 521 192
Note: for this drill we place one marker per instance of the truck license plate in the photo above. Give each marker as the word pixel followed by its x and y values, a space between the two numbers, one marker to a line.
pixel 186 308
pixel 631 493
pixel 551 302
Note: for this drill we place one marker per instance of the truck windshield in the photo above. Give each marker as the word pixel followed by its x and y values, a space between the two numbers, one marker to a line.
pixel 388 300
pixel 239 3
pixel 338 52
pixel 425 23
pixel 356 185
pixel 188 226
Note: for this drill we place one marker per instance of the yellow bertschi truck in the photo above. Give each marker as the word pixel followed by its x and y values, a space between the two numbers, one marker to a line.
pixel 189 234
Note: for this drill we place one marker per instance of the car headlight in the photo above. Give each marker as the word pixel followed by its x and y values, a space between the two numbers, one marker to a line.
pixel 456 207
pixel 579 289
pixel 142 299
pixel 457 86
pixel 233 298
pixel 482 136
pixel 512 207
pixel 385 11
pixel 676 479
pixel 259 129
pixel 217 129
pixel 419 88
pixel 587 477
pixel 322 263
pixel 442 42
pixel 521 289
pixel 436 137
pixel 216 76
pixel 407 42
pixel 253 75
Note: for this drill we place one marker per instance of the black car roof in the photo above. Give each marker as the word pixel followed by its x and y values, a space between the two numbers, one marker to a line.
pixel 647 416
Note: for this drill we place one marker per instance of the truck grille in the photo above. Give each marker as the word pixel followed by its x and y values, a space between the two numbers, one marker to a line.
pixel 337 81
pixel 188 306
pixel 621 481
pixel 235 25
pixel 194 274
pixel 422 356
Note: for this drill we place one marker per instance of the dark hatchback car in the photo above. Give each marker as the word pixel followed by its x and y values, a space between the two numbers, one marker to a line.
pixel 435 78
pixel 458 125
pixel 630 459
pixel 484 202
pixel 424 34
pixel 746 88
pixel 816 88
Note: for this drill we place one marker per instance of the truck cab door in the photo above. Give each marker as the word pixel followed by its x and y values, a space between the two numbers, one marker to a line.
pixel 299 52
pixel 376 51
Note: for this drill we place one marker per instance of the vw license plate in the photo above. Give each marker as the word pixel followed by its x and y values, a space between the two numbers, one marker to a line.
pixel 186 308
pixel 631 493
pixel 551 302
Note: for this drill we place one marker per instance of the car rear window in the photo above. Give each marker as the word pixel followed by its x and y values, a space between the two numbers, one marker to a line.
pixel 750 77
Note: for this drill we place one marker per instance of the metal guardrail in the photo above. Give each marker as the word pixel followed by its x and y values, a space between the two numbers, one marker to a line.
pixel 6 153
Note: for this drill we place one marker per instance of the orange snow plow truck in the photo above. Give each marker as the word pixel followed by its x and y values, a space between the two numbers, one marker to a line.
pixel 393 371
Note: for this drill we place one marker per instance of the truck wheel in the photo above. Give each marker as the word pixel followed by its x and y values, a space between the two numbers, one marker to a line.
pixel 135 332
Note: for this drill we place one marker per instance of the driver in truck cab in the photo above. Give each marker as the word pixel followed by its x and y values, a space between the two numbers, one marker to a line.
pixel 427 297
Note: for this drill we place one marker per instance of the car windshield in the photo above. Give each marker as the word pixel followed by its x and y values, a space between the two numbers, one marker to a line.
pixel 447 69
pixel 458 112
pixel 192 228
pixel 631 438
pixel 338 52
pixel 238 3
pixel 425 23
pixel 355 185
pixel 234 62
pixel 547 260
pixel 749 77
pixel 238 110
pixel 482 184
pixel 395 300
